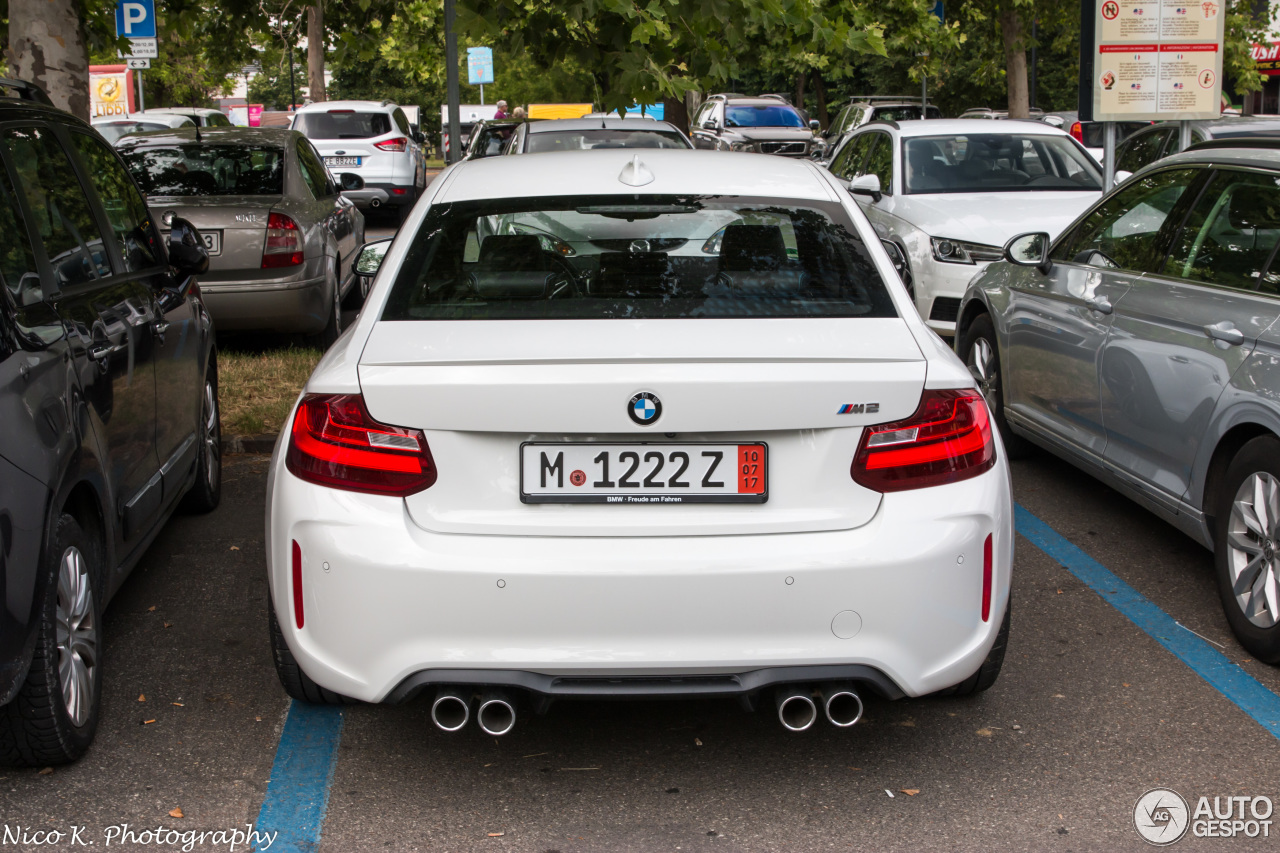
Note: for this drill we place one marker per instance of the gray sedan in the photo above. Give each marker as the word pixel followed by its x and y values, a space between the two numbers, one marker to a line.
pixel 280 235
pixel 1143 345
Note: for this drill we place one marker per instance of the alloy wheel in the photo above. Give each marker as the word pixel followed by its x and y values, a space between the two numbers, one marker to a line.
pixel 212 449
pixel 983 367
pixel 77 636
pixel 1253 535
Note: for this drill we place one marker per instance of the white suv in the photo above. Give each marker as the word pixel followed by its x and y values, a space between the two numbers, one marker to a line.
pixel 374 140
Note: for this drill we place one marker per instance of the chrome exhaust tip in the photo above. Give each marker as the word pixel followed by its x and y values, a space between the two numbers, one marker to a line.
pixel 842 705
pixel 497 714
pixel 796 710
pixel 451 710
pixel 374 202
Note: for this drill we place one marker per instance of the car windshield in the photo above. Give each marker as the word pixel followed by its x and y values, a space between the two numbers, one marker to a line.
pixel 116 129
pixel 997 162
pixel 636 257
pixel 577 140
pixel 764 115
pixel 201 169
pixel 342 124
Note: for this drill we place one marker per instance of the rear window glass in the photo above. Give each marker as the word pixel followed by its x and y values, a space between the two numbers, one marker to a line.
pixel 199 169
pixel 762 116
pixel 636 257
pixel 342 124
pixel 578 140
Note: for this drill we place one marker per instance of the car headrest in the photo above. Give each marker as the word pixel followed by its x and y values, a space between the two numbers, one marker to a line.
pixel 488 284
pixel 1255 207
pixel 752 248
pixel 512 253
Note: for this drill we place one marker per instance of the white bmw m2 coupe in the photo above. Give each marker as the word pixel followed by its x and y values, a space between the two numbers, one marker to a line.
pixel 638 424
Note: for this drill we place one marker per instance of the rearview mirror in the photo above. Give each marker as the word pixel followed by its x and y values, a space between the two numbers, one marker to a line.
pixel 370 256
pixel 187 253
pixel 1029 250
pixel 351 181
pixel 866 185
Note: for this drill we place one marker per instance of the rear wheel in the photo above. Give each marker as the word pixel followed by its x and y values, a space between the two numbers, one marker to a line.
pixel 990 669
pixel 53 718
pixel 206 492
pixel 333 329
pixel 1246 542
pixel 292 678
pixel 982 357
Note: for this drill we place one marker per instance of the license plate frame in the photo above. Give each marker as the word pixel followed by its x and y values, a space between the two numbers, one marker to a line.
pixel 212 241
pixel 335 162
pixel 642 495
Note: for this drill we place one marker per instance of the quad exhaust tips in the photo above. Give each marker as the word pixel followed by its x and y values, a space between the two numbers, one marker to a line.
pixel 450 711
pixel 497 714
pixel 842 704
pixel 797 710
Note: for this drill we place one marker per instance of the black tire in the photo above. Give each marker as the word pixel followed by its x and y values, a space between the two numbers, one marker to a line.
pixel 990 669
pixel 206 491
pixel 333 329
pixel 981 331
pixel 354 300
pixel 402 213
pixel 36 727
pixel 292 678
pixel 1258 458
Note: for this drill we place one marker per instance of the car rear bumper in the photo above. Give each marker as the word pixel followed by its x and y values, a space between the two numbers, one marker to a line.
pixel 389 607
pixel 278 305
pixel 386 193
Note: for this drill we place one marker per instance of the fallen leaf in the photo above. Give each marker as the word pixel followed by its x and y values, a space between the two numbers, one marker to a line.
pixel 890 793
pixel 1059 592
pixel 235 547
pixel 1125 683
pixel 985 732
pixel 496 834
pixel 142 697
pixel 697 741
pixel 168 624
pixel 910 792
pixel 177 812
pixel 45 772
pixel 257 719
pixel 151 608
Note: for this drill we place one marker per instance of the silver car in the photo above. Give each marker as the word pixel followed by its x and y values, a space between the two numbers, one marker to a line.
pixel 281 237
pixel 1143 345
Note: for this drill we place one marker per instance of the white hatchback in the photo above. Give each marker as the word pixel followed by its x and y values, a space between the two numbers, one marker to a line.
pixel 637 424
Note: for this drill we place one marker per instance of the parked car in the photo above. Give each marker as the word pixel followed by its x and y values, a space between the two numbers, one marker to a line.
pixel 578 134
pixel 988 113
pixel 489 138
pixel 280 235
pixel 763 125
pixel 109 406
pixel 1150 143
pixel 863 109
pixel 1141 346
pixel 558 440
pixel 950 193
pixel 372 139
pixel 1090 133
pixel 113 128
pixel 200 116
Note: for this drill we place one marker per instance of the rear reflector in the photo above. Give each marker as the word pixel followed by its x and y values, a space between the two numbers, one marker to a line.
pixel 283 246
pixel 335 442
pixel 948 439
pixel 397 144
pixel 297 584
pixel 986 579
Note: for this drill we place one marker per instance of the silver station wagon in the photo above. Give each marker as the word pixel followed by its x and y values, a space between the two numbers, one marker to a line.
pixel 1143 345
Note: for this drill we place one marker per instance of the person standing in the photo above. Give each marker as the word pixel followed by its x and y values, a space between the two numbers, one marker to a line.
pixel 502 110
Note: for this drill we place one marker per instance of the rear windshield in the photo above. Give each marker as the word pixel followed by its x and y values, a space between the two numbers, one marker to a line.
pixel 636 257
pixel 762 116
pixel 998 162
pixel 199 169
pixel 578 140
pixel 342 124
pixel 116 129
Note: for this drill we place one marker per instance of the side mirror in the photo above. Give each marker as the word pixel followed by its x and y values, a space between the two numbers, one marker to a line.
pixel 1121 176
pixel 351 181
pixel 866 185
pixel 370 256
pixel 1029 250
pixel 418 136
pixel 187 253
pixel 815 125
pixel 712 124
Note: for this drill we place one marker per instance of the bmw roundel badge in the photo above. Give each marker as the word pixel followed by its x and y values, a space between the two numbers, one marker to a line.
pixel 644 408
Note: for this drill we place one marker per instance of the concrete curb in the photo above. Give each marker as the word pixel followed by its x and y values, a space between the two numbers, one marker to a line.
pixel 233 444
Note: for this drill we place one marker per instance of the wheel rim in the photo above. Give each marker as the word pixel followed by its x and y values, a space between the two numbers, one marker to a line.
pixel 1253 533
pixel 984 368
pixel 337 306
pixel 77 636
pixel 212 438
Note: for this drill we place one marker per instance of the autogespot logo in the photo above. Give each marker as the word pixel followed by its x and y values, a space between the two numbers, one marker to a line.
pixel 1161 816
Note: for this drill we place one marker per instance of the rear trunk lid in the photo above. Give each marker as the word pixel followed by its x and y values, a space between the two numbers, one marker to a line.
pixel 482 389
pixel 237 224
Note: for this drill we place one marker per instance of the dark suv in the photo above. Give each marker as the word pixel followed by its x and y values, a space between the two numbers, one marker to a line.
pixel 764 125
pixel 108 407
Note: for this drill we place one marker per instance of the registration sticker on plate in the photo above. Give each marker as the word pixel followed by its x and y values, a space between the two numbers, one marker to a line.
pixel 643 473
pixel 342 161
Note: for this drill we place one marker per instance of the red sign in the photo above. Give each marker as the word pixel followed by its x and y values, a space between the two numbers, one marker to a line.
pixel 1266 58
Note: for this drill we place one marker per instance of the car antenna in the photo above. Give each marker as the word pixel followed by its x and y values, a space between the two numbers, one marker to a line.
pixel 198 139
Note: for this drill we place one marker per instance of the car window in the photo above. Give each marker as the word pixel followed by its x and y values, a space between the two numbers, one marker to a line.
pixel 998 162
pixel 342 124
pixel 401 120
pixel 1141 149
pixel 1123 230
pixel 589 140
pixel 1230 234
pixel 218 120
pixel 17 261
pixel 126 211
pixel 762 115
pixel 203 169
pixel 314 174
pixel 61 212
pixel 880 161
pixel 848 163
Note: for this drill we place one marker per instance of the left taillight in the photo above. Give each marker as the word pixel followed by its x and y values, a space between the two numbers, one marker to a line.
pixel 948 439
pixel 397 144
pixel 283 246
pixel 335 442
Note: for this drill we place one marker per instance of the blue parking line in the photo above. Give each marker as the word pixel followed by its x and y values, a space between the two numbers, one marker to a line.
pixel 1207 662
pixel 298 794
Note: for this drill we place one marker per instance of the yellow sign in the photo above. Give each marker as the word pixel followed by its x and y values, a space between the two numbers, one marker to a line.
pixel 108 94
pixel 559 110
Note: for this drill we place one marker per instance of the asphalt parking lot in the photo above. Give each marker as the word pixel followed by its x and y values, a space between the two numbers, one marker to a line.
pixel 1090 712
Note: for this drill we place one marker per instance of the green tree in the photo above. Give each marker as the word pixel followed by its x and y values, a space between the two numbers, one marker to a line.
pixel 271 86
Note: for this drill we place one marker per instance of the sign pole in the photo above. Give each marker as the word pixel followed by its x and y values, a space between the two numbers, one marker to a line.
pixel 482 94
pixel 142 104
pixel 1108 155
pixel 1184 135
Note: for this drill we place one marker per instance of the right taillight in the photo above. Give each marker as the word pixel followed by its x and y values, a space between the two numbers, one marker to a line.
pixel 1077 130
pixel 948 439
pixel 283 247
pixel 335 442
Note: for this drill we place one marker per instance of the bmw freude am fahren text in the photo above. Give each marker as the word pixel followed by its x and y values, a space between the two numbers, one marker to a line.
pixel 551 342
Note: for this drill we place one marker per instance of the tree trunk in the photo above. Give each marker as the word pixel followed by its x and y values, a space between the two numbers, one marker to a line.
pixel 1015 56
pixel 47 47
pixel 820 89
pixel 800 90
pixel 673 111
pixel 315 52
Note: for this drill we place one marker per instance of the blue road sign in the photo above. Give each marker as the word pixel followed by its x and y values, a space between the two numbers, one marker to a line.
pixel 136 19
pixel 938 10
pixel 479 65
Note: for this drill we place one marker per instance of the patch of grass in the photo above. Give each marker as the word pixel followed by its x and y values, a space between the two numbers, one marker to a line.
pixel 256 390
pixel 435 164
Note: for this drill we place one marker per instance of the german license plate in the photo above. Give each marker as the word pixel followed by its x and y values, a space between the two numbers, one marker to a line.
pixel 212 241
pixel 642 473
pixel 341 161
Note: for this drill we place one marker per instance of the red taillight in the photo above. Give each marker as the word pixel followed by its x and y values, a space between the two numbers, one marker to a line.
pixel 397 144
pixel 948 439
pixel 283 247
pixel 986 579
pixel 297 584
pixel 1077 130
pixel 336 443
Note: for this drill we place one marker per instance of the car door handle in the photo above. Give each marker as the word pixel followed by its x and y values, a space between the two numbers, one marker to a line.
pixel 1099 304
pixel 1225 332
pixel 101 352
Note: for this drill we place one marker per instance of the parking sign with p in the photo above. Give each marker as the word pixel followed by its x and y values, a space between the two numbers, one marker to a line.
pixel 136 19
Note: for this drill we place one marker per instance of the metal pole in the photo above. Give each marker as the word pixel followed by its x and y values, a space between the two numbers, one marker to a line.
pixel 924 96
pixel 1108 155
pixel 1184 135
pixel 142 104
pixel 482 94
pixel 451 82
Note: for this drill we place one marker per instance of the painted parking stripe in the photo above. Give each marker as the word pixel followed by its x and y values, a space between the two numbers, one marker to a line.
pixel 298 794
pixel 1207 662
